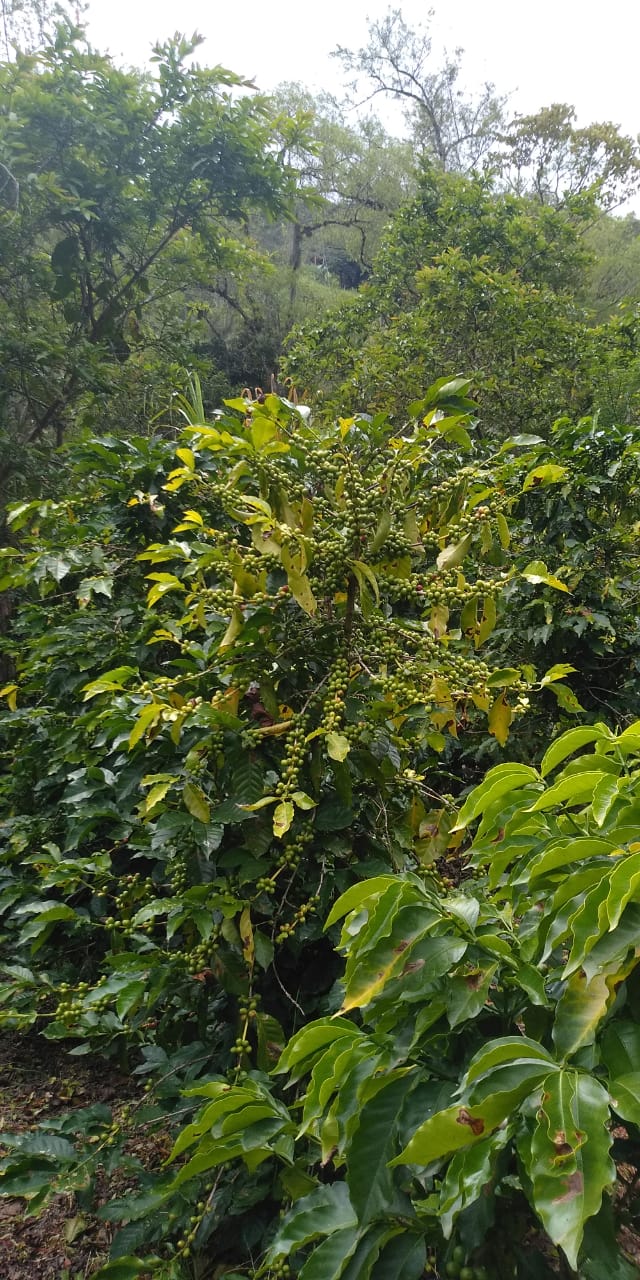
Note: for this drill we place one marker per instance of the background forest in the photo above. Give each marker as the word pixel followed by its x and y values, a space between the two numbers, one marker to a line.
pixel 320 662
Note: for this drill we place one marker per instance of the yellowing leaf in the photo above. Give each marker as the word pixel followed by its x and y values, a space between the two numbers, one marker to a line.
pixel 300 588
pixel 454 554
pixel 246 937
pixel 503 531
pixel 302 800
pixel 338 747
pixel 156 794
pixel 548 473
pixel 537 572
pixel 500 717
pixel 487 621
pixel 149 715
pixel 196 802
pixel 10 692
pixel 233 630
pixel 282 818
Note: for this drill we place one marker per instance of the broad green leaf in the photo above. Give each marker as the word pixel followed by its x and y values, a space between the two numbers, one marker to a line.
pixel 380 536
pixel 313 1039
pixel 366 580
pixel 467 1175
pixel 580 1011
pixel 369 1178
pixel 505 1050
pixel 625 1096
pixel 402 1258
pixel 460 1125
pixel 360 1266
pixel 329 1259
pixel 560 853
pixel 467 993
pixel 569 742
pixel 498 782
pixel 125 1268
pixel 621 1047
pixel 568 1158
pixel 503 678
pixel 325 1211
pixel 575 789
pixel 603 798
pixel 366 975
pixel 359 894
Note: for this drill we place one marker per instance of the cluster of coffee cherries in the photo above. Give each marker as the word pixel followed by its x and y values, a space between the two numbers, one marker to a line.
pixel 329 568
pixel 70 1006
pixel 333 710
pixel 397 544
pixel 293 851
pixel 464 673
pixel 134 891
pixel 202 954
pixel 293 757
pixel 184 1244
pixel 275 476
pixel 300 915
pixel 361 510
pixel 178 873
pixel 458 1268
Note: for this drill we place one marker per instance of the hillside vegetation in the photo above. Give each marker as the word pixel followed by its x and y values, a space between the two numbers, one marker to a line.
pixel 320 659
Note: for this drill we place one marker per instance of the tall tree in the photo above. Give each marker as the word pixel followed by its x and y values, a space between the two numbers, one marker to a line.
pixel 548 156
pixel 452 128
pixel 130 187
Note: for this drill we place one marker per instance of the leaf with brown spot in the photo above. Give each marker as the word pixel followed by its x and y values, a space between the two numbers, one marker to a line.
pixel 567 1157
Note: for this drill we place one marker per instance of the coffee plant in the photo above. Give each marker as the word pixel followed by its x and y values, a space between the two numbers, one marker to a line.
pixel 463 1110
pixel 243 672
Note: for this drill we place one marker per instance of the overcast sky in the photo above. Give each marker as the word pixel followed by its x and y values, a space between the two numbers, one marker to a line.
pixel 549 51
pixel 541 52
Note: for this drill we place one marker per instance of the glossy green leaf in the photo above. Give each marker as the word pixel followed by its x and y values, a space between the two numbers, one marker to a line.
pixel 569 742
pixel 325 1211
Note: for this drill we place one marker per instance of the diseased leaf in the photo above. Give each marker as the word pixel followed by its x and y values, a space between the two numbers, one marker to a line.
pixel 283 816
pixel 567 1158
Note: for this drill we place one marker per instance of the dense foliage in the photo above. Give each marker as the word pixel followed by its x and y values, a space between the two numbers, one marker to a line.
pixel 319 732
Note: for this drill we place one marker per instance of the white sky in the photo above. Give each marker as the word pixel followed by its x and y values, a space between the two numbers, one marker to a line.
pixel 550 51
pixel 541 52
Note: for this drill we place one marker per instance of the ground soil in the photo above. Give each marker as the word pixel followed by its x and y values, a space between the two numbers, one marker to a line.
pixel 38 1083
